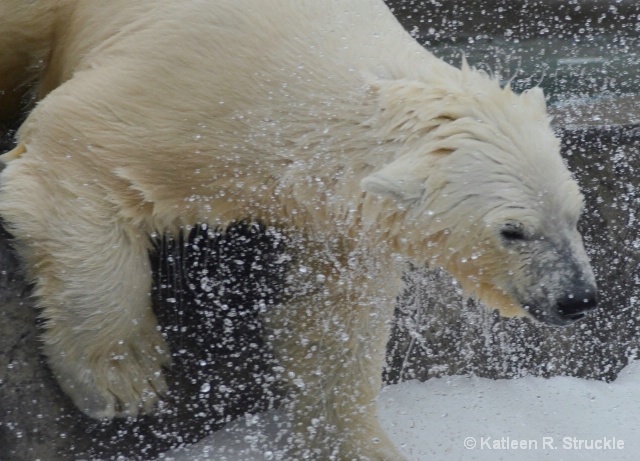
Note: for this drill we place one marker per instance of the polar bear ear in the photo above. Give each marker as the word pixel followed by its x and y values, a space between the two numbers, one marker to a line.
pixel 392 182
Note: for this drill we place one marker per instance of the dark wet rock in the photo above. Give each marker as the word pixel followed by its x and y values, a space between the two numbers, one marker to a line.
pixel 494 20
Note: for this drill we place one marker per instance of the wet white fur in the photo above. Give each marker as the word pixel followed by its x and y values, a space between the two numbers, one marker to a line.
pixel 323 118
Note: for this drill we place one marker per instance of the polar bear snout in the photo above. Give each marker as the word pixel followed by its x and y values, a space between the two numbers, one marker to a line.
pixel 566 308
pixel 577 304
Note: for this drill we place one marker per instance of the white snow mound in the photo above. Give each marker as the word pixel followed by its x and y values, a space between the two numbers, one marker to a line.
pixel 470 418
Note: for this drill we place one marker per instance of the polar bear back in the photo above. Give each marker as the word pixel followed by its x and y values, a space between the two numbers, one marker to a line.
pixel 239 116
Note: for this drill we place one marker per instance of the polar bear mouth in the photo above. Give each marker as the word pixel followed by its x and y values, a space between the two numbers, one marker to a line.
pixel 552 318
pixel 563 313
pixel 575 317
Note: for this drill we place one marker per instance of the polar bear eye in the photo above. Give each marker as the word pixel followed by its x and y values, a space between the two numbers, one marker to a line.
pixel 513 232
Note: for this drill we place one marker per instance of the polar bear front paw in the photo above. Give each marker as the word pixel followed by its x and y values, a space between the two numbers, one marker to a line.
pixel 125 379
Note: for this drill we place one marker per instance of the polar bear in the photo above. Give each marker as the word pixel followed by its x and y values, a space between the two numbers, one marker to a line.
pixel 323 119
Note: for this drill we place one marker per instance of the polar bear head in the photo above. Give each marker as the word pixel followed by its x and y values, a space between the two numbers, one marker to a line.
pixel 486 194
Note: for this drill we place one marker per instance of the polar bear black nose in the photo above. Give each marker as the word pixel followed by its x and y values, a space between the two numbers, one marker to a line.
pixel 575 305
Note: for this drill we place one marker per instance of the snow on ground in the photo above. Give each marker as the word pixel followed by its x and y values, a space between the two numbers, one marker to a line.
pixel 470 418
